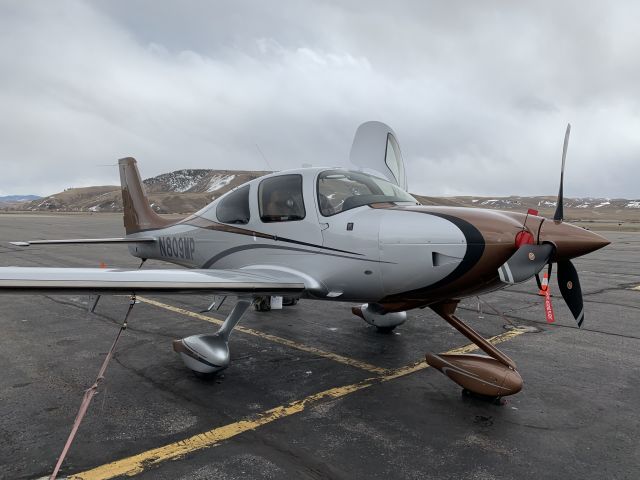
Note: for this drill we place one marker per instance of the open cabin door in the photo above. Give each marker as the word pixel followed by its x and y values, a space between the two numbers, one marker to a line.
pixel 376 150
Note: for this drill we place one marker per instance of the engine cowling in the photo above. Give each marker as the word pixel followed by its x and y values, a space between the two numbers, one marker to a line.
pixel 375 315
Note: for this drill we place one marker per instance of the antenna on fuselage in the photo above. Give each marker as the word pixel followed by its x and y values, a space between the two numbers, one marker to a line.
pixel 264 158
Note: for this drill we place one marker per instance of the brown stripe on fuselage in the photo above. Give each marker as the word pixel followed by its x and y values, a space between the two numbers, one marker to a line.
pixel 201 222
pixel 498 230
pixel 207 224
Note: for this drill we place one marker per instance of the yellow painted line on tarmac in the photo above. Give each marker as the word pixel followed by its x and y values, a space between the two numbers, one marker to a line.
pixel 352 362
pixel 137 464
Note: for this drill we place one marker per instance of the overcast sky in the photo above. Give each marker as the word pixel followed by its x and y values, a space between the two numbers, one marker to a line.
pixel 479 93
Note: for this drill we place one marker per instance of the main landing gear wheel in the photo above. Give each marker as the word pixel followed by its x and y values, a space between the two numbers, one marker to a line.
pixel 207 355
pixel 205 376
pixel 386 330
pixel 375 315
pixel 262 304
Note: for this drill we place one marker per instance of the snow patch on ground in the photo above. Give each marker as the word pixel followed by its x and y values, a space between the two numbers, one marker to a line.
pixel 499 202
pixel 219 181
pixel 185 185
pixel 634 204
pixel 179 181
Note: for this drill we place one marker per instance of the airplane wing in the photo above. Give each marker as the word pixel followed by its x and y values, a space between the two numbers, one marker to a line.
pixel 39 280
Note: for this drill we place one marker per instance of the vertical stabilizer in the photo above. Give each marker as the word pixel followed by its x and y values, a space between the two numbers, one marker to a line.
pixel 138 214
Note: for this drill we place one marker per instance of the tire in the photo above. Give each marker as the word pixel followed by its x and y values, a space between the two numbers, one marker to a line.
pixel 386 329
pixel 263 305
pixel 289 301
pixel 205 377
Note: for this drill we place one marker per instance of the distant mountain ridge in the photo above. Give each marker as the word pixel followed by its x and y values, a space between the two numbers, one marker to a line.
pixel 17 198
pixel 543 202
pixel 188 190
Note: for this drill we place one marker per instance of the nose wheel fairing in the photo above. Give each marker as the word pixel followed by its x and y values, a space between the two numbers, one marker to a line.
pixel 477 373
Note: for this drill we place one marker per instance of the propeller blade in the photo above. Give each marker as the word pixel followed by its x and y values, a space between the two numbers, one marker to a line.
pixel 570 289
pixel 525 263
pixel 559 215
pixel 538 281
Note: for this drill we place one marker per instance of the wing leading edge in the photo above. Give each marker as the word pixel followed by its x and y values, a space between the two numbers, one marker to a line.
pixel 74 241
pixel 38 280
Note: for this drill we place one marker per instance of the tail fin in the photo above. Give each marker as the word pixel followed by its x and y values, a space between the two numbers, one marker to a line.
pixel 138 215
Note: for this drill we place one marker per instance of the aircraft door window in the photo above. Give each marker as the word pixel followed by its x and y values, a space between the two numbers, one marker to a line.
pixel 393 158
pixel 234 207
pixel 280 199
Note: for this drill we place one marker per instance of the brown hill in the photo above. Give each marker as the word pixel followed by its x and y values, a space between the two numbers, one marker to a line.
pixel 182 191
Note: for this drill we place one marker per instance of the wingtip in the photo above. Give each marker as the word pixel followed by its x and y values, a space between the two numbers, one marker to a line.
pixel 20 244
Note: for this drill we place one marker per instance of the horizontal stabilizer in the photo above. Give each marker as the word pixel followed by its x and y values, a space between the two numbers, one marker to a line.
pixel 72 241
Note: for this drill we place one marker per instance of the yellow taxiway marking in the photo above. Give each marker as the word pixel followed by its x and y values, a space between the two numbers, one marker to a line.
pixel 267 336
pixel 138 463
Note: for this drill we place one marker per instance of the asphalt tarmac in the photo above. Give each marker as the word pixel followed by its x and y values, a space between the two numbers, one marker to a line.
pixel 312 391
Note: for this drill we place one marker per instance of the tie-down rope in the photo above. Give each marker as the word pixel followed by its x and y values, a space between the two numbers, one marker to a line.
pixel 91 392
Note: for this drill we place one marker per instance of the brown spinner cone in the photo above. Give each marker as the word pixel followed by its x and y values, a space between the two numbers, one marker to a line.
pixel 570 241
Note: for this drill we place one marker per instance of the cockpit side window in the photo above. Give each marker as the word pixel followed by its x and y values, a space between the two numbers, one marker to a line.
pixel 234 207
pixel 280 199
pixel 340 190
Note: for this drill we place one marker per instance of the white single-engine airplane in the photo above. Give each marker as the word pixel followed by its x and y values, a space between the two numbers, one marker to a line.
pixel 337 235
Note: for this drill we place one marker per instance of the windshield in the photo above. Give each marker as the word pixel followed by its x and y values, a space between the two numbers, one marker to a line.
pixel 340 190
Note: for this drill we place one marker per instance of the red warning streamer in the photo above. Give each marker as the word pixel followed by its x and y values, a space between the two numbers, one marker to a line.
pixel 548 308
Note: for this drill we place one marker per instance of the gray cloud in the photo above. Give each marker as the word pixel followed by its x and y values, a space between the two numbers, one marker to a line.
pixel 479 93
